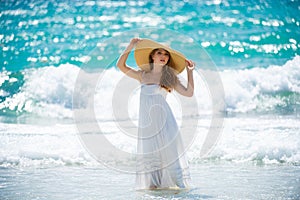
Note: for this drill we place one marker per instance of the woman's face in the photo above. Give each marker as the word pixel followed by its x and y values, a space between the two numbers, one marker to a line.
pixel 161 57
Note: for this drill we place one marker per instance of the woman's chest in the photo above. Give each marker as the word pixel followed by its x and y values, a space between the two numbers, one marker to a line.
pixel 149 78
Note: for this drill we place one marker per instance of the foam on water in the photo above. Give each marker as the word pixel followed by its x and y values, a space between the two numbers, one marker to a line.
pixel 41 146
pixel 248 140
pixel 48 91
pixel 272 89
pixel 257 140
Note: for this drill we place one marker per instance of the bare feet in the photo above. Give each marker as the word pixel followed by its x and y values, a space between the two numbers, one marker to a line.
pixel 153 187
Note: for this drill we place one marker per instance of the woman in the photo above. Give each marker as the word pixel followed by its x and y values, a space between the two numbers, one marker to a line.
pixel 160 162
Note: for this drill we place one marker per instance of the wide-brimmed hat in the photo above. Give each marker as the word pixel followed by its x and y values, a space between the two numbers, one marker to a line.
pixel 144 48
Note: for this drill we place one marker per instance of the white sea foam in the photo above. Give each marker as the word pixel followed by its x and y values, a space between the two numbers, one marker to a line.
pixel 31 145
pixel 260 88
pixel 48 92
pixel 260 140
pixel 243 140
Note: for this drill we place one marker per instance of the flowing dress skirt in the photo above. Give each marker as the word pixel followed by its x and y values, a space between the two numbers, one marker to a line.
pixel 161 162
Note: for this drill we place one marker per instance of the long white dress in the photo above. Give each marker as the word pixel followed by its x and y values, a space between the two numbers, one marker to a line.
pixel 161 162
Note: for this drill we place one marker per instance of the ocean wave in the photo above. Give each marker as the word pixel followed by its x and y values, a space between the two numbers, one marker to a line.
pixel 45 92
pixel 49 91
pixel 266 141
pixel 250 140
pixel 26 145
pixel 275 89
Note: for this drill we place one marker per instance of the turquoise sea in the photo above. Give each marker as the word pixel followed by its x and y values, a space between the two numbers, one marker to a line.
pixel 253 46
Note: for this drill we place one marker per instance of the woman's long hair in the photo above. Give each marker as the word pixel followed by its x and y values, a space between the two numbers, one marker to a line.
pixel 168 78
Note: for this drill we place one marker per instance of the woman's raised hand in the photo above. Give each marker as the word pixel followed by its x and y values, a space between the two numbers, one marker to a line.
pixel 132 44
pixel 190 65
pixel 134 41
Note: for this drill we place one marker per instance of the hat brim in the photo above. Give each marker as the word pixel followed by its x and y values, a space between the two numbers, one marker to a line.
pixel 144 48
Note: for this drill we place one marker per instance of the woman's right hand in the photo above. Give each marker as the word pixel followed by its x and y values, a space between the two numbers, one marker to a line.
pixel 134 41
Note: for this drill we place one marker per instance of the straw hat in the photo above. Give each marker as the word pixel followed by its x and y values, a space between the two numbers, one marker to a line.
pixel 144 48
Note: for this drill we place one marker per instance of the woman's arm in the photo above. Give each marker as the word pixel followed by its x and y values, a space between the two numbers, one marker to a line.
pixel 189 90
pixel 121 64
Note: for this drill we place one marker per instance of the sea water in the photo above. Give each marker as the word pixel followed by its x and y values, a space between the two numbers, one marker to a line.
pixel 253 45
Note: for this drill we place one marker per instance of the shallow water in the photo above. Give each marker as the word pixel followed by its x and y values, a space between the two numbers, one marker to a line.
pixel 210 181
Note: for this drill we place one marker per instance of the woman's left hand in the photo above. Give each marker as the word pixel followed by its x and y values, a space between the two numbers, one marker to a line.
pixel 190 65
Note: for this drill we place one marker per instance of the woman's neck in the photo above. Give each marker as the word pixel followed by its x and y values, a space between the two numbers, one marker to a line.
pixel 157 68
